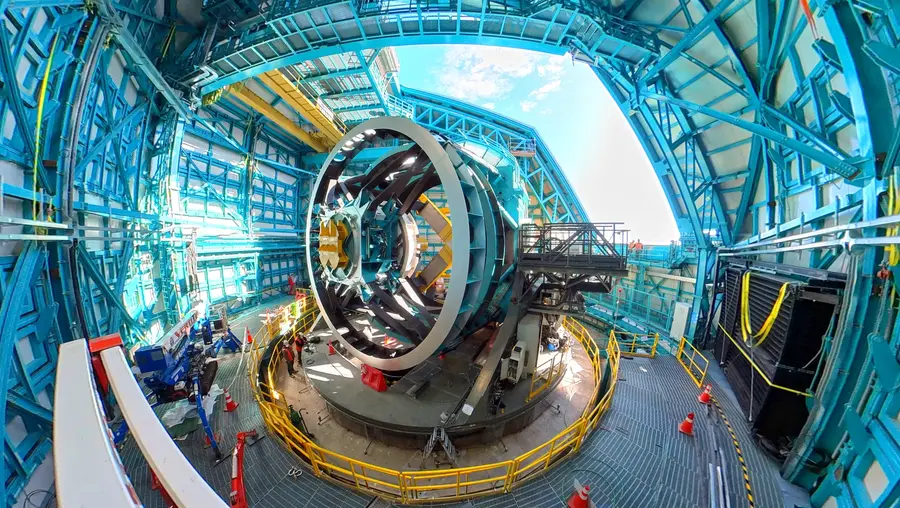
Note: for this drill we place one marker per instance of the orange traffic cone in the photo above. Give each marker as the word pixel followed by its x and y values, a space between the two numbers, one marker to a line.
pixel 705 397
pixel 331 350
pixel 230 404
pixel 687 426
pixel 580 498
pixel 249 337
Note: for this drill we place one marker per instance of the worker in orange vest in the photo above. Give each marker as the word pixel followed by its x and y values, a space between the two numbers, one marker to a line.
pixel 290 284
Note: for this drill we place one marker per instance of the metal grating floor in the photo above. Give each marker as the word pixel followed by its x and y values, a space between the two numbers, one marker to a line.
pixel 637 458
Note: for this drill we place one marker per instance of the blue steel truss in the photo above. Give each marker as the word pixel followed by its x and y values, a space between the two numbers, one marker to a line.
pixel 552 197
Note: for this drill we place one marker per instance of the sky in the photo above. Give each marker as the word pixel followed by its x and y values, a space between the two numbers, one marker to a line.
pixel 574 115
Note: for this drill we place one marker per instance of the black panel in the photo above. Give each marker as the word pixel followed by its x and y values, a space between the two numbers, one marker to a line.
pixel 788 356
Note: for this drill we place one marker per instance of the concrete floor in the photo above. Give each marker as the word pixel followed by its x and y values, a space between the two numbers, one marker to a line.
pixel 570 396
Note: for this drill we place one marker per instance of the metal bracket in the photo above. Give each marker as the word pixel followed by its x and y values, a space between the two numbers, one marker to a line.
pixel 885 362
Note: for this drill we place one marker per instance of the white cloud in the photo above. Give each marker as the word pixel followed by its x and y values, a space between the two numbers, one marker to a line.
pixel 475 72
pixel 489 105
pixel 541 93
pixel 552 67
pixel 527 105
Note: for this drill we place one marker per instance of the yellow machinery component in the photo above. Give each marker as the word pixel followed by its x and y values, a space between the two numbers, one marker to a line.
pixel 330 131
pixel 256 102
pixel 331 244
pixel 441 263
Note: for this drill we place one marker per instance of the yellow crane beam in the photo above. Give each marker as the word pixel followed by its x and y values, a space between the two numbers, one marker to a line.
pixel 291 95
pixel 256 102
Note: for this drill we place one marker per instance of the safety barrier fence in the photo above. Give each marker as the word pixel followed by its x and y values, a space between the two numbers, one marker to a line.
pixel 692 359
pixel 638 344
pixel 428 485
pixel 642 306
pixel 545 375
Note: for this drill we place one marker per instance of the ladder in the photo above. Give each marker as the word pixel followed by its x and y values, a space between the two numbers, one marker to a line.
pixel 439 435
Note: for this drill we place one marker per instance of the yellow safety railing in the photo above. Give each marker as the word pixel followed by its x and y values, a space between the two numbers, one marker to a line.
pixel 548 372
pixel 690 358
pixel 641 344
pixel 431 485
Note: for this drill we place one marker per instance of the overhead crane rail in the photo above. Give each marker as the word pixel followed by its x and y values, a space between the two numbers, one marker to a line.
pixel 257 103
pixel 330 132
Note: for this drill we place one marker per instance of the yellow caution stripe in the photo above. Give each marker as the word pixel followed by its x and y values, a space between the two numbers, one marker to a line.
pixel 737 448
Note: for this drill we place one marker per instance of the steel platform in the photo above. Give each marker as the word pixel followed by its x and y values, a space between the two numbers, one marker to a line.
pixel 636 459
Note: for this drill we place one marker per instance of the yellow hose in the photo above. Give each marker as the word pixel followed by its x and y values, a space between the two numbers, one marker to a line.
pixel 893 209
pixel 763 333
pixel 37 130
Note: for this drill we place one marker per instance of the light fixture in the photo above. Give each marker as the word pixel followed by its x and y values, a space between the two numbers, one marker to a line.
pixel 370 132
pixel 409 161
pixel 349 143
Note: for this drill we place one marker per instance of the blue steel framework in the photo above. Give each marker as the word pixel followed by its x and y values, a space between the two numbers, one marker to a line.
pixel 710 122
pixel 758 123
pixel 100 224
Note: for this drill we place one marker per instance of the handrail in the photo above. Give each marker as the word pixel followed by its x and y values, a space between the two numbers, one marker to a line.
pixel 433 485
pixel 88 469
pixel 697 375
pixel 548 374
pixel 635 347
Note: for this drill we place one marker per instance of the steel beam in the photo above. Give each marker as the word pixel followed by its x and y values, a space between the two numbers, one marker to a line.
pixel 257 103
pixel 294 98
pixel 840 166
pixel 108 14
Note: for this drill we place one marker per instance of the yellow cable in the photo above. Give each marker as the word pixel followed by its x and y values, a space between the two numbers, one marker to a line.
pixel 891 250
pixel 37 130
pixel 168 42
pixel 756 367
pixel 763 333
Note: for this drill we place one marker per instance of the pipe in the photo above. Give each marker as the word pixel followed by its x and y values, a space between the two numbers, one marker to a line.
pixel 77 109
pixel 712 303
pixel 71 154
pixel 879 222
pixel 846 242
pixel 76 289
